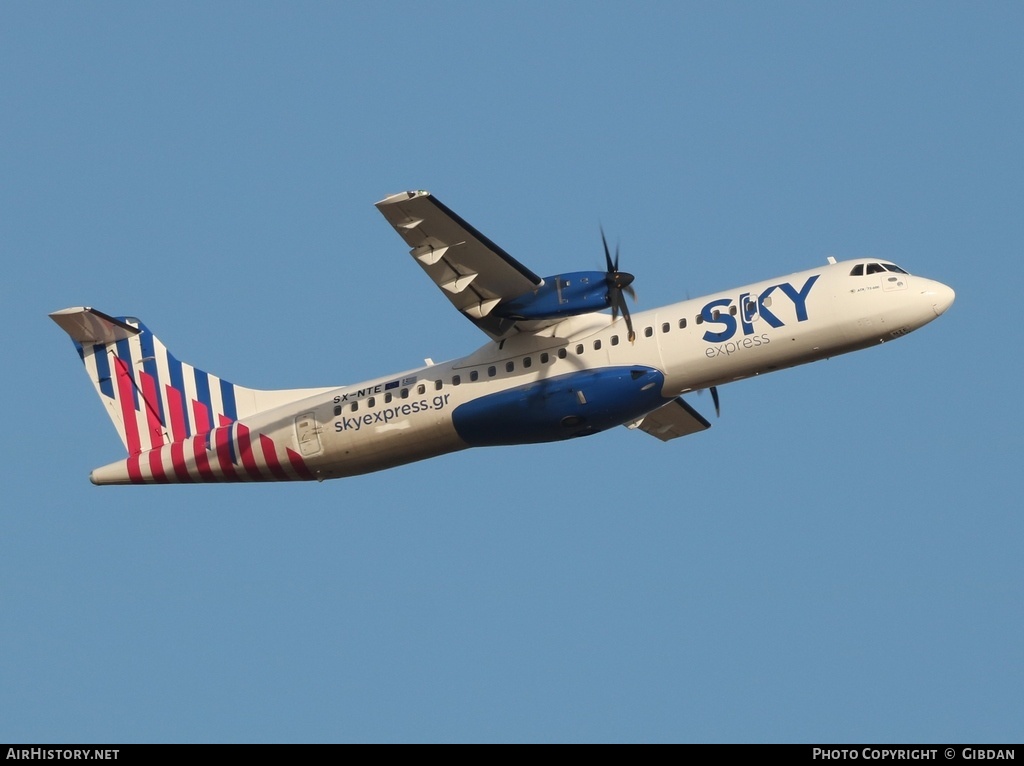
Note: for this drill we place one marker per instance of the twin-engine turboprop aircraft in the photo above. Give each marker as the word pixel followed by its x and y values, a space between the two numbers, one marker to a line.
pixel 555 366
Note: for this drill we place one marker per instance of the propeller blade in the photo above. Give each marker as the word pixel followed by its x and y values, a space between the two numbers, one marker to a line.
pixel 607 255
pixel 714 398
pixel 625 315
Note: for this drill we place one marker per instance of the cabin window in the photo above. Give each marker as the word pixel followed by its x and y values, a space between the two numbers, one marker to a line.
pixel 405 393
pixel 579 348
pixel 388 397
pixel 544 358
pixel 682 323
pixel 715 314
pixel 371 402
pixel 750 308
pixel 474 375
pixel 456 380
pixel 510 366
pixel 421 389
pixel 666 327
pixel 337 410
pixel 648 332
pixel 767 302
pixel 492 371
pixel 615 340
pixel 437 385
pixel 597 345
pixel 562 353
pixel 732 311
pixel 527 362
pixel 699 319
pixel 355 406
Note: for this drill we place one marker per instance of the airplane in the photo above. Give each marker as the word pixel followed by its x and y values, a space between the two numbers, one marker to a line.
pixel 557 364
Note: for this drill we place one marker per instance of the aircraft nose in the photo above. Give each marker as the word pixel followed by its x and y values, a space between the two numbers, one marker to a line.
pixel 942 297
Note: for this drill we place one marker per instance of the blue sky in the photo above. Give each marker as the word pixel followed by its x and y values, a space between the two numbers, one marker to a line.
pixel 837 559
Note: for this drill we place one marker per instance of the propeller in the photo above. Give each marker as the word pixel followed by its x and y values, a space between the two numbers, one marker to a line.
pixel 619 282
pixel 714 398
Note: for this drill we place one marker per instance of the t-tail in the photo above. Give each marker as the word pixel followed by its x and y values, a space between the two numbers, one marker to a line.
pixel 179 424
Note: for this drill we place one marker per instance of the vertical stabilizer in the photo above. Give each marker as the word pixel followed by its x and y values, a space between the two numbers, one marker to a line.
pixel 152 398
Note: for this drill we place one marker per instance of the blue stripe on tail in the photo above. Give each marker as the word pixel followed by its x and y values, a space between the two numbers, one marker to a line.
pixel 99 353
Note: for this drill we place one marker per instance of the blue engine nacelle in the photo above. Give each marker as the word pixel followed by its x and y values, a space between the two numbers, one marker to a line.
pixel 546 410
pixel 578 292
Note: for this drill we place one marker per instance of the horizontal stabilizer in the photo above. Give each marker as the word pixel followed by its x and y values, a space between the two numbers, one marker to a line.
pixel 675 419
pixel 87 325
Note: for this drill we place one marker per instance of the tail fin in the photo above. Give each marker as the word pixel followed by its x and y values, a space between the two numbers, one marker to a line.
pixel 152 398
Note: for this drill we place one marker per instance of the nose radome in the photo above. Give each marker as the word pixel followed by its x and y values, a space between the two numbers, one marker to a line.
pixel 942 297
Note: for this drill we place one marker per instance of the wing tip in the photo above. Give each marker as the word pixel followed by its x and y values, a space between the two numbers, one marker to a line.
pixel 404 196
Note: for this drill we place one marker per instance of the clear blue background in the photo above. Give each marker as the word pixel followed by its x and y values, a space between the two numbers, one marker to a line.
pixel 838 559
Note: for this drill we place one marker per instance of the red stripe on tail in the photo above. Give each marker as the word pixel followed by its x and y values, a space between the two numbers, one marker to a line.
pixel 176 408
pixel 178 461
pixel 202 416
pixel 299 464
pixel 156 465
pixel 270 458
pixel 222 435
pixel 202 461
pixel 245 450
pixel 134 470
pixel 125 395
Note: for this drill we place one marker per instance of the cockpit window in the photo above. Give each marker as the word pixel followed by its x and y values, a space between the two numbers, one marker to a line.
pixel 875 268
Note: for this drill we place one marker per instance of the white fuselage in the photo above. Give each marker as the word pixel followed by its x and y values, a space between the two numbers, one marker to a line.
pixel 694 344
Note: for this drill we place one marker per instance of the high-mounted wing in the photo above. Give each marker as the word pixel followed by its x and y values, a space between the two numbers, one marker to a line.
pixel 473 272
pixel 672 420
